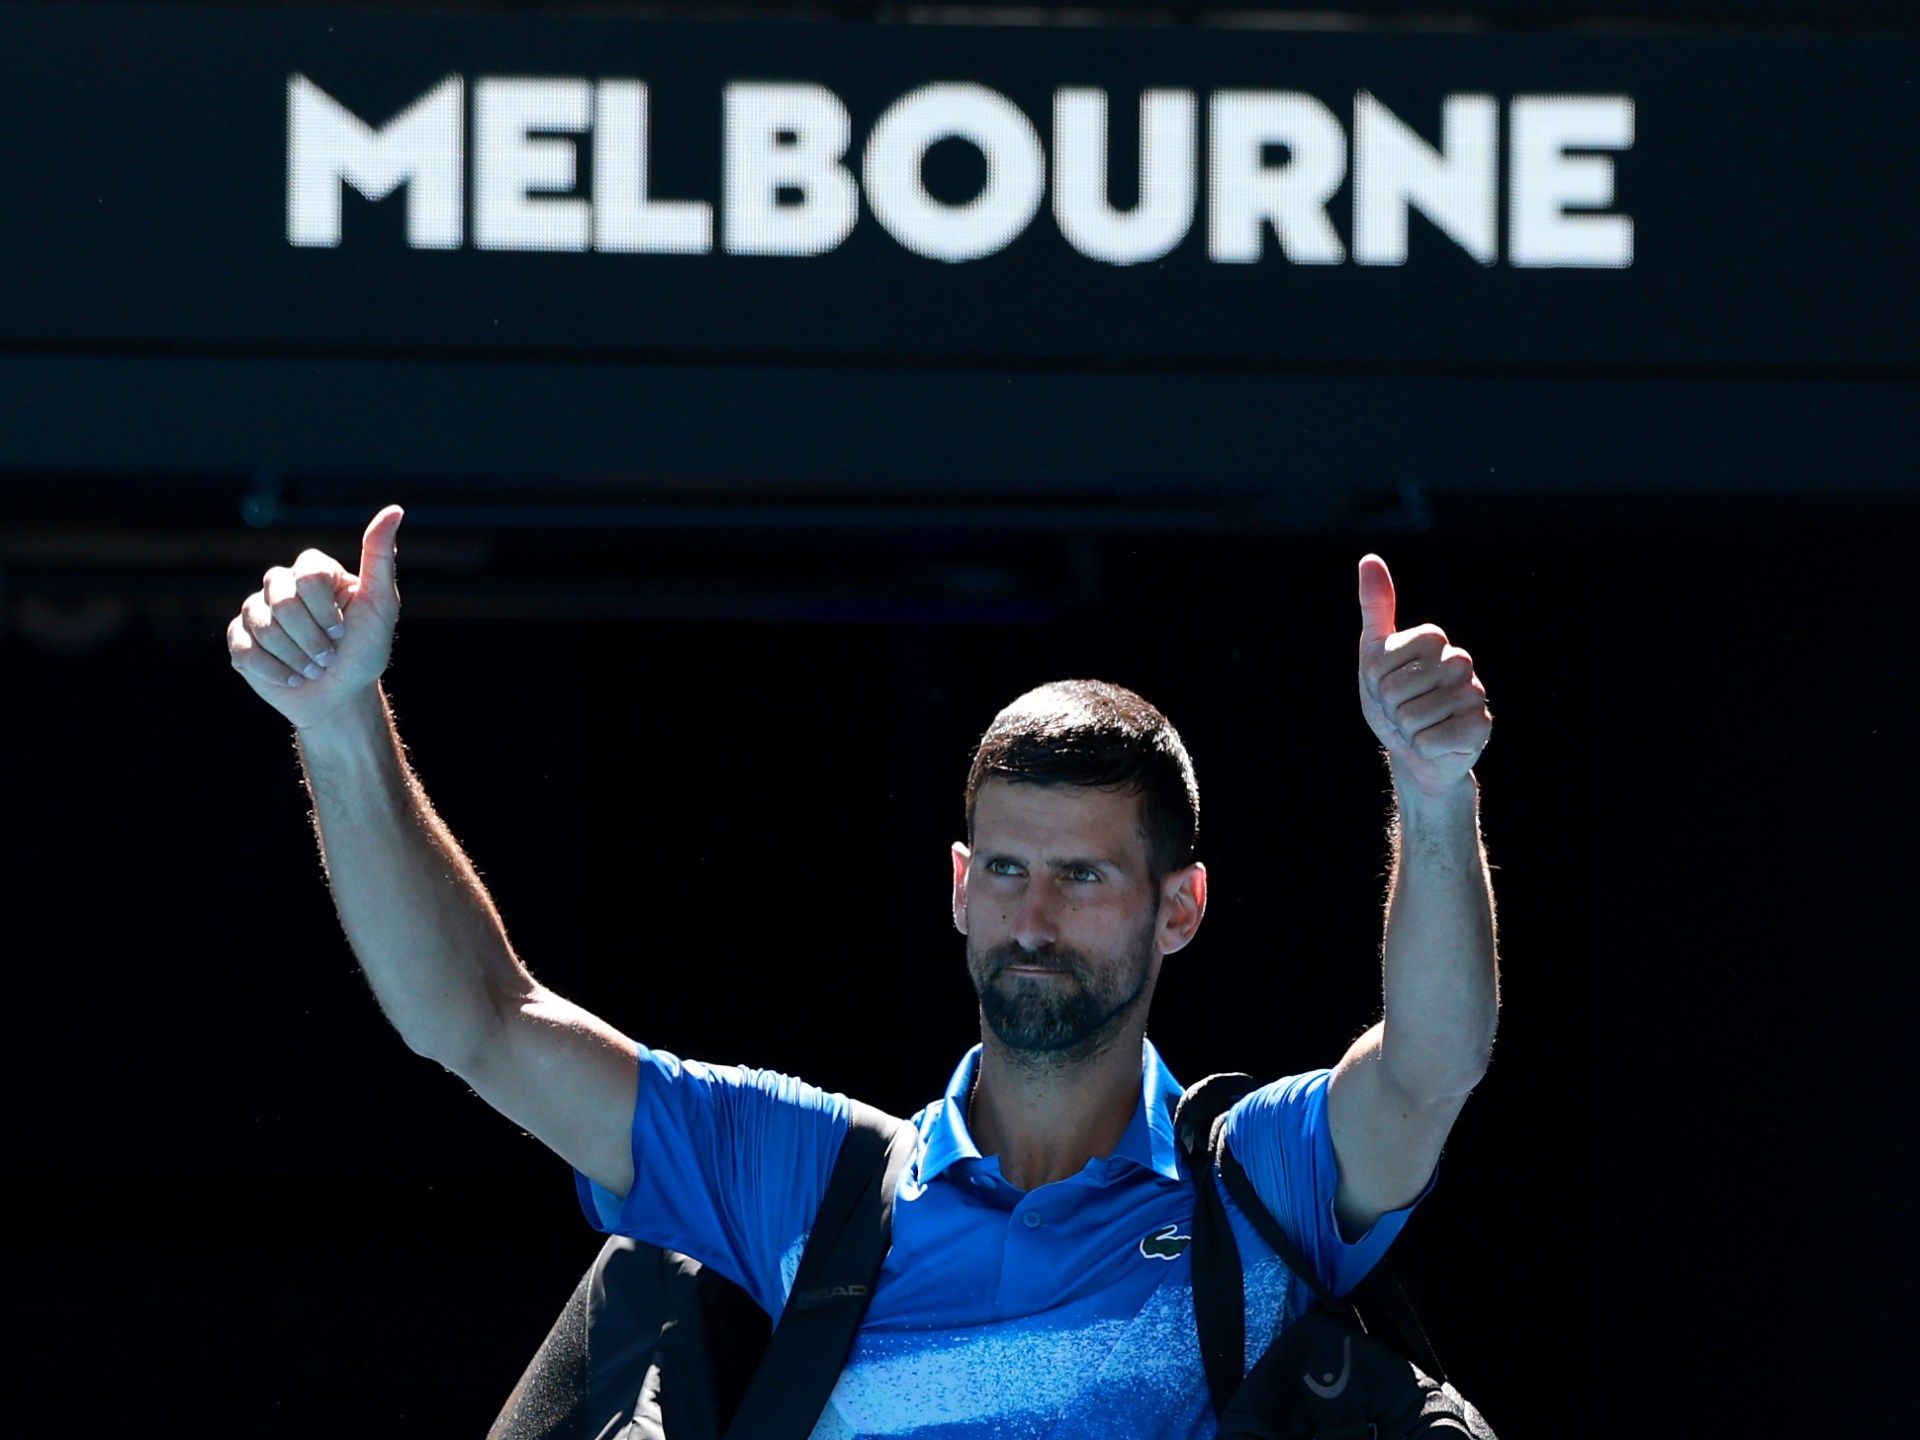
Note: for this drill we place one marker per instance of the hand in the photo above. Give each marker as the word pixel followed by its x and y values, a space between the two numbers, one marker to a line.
pixel 1418 692
pixel 313 637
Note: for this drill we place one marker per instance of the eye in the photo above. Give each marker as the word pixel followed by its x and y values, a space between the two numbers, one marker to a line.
pixel 1082 873
pixel 1001 866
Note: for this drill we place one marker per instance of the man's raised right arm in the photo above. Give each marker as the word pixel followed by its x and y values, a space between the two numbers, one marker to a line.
pixel 313 642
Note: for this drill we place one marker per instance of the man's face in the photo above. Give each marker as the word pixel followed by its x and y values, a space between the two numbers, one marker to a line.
pixel 1063 922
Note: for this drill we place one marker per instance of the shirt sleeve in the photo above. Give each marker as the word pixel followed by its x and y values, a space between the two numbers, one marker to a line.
pixel 1280 1136
pixel 729 1166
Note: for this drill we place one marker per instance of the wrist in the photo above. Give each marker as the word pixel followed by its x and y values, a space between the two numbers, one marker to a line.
pixel 1413 797
pixel 359 725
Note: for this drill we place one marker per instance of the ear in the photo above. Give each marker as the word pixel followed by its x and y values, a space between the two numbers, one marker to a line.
pixel 1183 905
pixel 962 858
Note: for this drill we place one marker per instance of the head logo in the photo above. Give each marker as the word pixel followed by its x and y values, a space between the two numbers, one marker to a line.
pixel 1328 1388
pixel 1165 1243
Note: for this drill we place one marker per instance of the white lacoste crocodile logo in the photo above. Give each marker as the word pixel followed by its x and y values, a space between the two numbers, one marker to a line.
pixel 1328 1388
pixel 1165 1243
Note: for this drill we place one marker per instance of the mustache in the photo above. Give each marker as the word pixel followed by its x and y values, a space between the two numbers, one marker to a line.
pixel 1002 958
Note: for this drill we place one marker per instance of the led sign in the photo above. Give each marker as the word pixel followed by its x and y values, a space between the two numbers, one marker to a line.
pixel 1272 164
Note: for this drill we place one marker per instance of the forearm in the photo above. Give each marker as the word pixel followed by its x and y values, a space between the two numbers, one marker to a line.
pixel 1441 971
pixel 419 920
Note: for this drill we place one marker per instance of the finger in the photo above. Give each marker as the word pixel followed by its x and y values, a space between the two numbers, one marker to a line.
pixel 377 550
pixel 254 662
pixel 1376 600
pixel 296 622
pixel 319 578
pixel 1414 651
pixel 1463 734
pixel 257 615
pixel 1439 705
pixel 1429 665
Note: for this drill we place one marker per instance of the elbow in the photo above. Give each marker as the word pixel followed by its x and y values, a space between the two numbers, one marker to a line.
pixel 1469 1077
pixel 1439 1074
pixel 445 1048
pixel 457 1044
pixel 428 1045
pixel 1472 1062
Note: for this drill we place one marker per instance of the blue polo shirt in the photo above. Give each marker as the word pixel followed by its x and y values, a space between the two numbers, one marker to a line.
pixel 1064 1311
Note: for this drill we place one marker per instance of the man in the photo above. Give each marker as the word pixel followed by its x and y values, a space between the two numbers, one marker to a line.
pixel 1037 1282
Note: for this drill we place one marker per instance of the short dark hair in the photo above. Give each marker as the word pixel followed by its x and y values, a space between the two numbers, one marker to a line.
pixel 1099 736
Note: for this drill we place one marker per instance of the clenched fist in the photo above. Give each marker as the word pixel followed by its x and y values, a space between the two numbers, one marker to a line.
pixel 1418 692
pixel 313 636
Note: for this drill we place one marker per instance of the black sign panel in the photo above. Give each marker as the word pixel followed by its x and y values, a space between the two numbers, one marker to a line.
pixel 592 185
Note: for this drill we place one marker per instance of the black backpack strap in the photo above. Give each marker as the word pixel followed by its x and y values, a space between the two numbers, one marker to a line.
pixel 1219 1282
pixel 1240 1186
pixel 851 1234
pixel 1219 1286
pixel 1381 1284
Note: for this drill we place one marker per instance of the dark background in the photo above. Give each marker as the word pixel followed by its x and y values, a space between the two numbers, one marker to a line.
pixel 693 654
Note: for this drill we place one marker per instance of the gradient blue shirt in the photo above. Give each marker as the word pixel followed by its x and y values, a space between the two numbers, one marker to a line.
pixel 1063 1311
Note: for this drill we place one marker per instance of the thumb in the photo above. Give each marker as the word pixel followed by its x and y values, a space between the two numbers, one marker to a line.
pixel 1376 599
pixel 377 549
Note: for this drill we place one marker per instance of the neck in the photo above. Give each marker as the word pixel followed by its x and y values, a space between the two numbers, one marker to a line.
pixel 1046 1116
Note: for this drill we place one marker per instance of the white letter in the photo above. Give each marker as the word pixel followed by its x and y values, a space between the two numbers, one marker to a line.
pixel 623 217
pixel 1244 192
pixel 787 137
pixel 1393 167
pixel 419 148
pixel 511 164
pixel 1165 212
pixel 1545 180
pixel 986 120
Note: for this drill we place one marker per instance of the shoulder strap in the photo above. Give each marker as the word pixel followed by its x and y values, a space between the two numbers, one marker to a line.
pixel 850 1237
pixel 1219 1285
pixel 1381 1284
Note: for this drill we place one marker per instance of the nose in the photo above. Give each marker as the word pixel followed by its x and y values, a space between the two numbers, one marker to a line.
pixel 1034 926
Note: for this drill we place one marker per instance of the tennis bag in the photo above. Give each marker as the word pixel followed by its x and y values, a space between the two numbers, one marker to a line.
pixel 1326 1377
pixel 653 1345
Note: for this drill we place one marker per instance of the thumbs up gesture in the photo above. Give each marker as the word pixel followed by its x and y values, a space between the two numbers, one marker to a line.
pixel 1418 692
pixel 313 636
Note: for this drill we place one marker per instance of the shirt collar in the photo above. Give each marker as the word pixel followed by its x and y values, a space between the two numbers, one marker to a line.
pixel 1147 1142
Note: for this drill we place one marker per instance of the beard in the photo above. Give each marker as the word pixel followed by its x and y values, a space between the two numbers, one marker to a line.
pixel 1069 1016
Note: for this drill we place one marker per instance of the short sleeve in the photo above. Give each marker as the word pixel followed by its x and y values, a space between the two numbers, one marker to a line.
pixel 1280 1136
pixel 729 1166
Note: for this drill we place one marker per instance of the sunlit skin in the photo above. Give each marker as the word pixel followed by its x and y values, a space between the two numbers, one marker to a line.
pixel 1066 929
pixel 1066 932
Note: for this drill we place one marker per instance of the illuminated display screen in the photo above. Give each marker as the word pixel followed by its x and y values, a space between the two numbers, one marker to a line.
pixel 560 185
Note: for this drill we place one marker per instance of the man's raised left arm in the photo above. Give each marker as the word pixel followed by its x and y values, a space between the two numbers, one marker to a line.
pixel 1396 1093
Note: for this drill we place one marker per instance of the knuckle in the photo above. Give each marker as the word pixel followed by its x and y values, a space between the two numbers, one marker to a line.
pixel 1421 642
